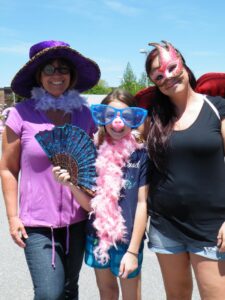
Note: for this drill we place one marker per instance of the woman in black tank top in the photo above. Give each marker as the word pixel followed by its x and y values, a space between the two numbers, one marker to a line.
pixel 187 186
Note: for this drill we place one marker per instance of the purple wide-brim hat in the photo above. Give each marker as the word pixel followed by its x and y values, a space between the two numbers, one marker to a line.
pixel 87 71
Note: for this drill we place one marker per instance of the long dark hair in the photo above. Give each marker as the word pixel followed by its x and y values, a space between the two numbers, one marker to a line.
pixel 162 113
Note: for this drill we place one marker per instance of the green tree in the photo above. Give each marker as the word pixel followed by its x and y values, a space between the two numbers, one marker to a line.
pixel 144 80
pixel 18 98
pixel 129 81
pixel 101 88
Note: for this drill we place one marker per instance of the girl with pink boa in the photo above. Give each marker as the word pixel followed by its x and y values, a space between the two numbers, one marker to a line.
pixel 118 211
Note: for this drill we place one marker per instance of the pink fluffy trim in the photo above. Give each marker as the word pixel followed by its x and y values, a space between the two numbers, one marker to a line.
pixel 109 222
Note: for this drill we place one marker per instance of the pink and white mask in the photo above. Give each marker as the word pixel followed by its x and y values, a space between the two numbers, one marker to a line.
pixel 170 64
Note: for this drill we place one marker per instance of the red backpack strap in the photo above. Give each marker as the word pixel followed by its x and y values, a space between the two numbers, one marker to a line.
pixel 212 84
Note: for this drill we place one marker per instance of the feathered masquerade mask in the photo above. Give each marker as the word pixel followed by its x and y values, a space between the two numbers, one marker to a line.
pixel 170 63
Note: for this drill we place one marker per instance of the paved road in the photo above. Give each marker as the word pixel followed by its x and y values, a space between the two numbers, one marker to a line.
pixel 15 283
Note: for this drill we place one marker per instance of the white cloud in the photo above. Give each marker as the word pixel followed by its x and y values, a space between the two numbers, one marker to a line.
pixel 205 53
pixel 17 49
pixel 7 32
pixel 85 9
pixel 122 8
pixel 109 65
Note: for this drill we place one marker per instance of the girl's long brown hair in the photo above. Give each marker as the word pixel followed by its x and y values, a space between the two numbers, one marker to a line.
pixel 162 113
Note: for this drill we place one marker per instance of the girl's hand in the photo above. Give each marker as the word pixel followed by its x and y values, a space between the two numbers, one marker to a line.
pixel 61 175
pixel 81 197
pixel 221 238
pixel 128 264
pixel 17 231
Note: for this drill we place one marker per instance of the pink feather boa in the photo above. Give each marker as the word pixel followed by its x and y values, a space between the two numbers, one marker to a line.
pixel 109 222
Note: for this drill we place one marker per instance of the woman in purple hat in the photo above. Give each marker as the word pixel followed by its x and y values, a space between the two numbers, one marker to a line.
pixel 50 224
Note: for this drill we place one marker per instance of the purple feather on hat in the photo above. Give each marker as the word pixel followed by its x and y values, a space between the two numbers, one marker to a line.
pixel 44 45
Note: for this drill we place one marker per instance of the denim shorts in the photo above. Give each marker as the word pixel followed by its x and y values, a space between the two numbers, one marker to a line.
pixel 161 244
pixel 115 254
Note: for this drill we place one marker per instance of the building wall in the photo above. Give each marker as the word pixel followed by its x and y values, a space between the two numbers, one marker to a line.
pixel 6 96
pixel 93 99
pixel 2 97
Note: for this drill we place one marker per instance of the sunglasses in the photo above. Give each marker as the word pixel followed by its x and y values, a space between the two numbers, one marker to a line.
pixel 132 117
pixel 50 70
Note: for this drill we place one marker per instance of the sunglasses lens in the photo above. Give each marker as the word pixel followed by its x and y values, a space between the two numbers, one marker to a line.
pixel 109 115
pixel 63 70
pixel 128 116
pixel 98 114
pixel 134 116
pixel 48 70
pixel 139 116
pixel 102 114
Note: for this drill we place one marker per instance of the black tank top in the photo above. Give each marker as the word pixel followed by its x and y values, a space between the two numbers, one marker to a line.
pixel 189 198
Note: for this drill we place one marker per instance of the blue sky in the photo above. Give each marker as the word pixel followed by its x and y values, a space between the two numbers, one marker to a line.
pixel 113 31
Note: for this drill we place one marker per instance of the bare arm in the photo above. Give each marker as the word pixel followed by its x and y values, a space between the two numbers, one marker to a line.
pixel 140 220
pixel 10 167
pixel 221 233
pixel 81 197
pixel 130 260
pixel 63 177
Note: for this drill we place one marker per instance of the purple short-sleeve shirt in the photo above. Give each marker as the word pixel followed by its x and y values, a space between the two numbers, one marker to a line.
pixel 43 201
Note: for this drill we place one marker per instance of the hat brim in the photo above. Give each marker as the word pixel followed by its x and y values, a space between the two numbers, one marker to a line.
pixel 87 71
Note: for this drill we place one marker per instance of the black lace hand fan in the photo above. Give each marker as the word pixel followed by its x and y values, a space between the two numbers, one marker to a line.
pixel 71 148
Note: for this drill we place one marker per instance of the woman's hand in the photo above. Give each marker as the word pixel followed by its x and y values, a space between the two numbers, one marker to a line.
pixel 61 175
pixel 128 264
pixel 17 231
pixel 221 238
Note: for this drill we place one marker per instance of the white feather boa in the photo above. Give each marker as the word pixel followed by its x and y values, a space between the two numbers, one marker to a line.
pixel 109 222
